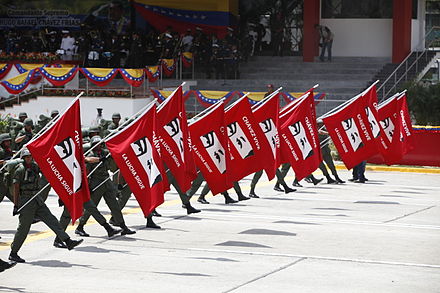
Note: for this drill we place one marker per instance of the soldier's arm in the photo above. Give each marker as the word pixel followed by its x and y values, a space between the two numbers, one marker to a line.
pixel 20 138
pixel 16 191
pixel 91 160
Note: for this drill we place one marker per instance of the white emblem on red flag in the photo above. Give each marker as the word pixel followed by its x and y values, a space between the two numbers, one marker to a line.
pixel 239 140
pixel 298 132
pixel 352 132
pixel 144 152
pixel 215 150
pixel 66 151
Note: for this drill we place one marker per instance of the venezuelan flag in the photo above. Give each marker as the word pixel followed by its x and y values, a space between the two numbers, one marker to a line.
pixel 213 16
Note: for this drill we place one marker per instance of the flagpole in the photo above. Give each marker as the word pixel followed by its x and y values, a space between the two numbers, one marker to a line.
pixel 396 95
pixel 119 127
pixel 348 101
pixel 268 97
pixel 42 130
pixel 107 179
pixel 233 104
pixel 41 190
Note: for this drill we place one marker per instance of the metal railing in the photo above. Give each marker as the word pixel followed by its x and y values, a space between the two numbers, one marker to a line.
pixel 402 71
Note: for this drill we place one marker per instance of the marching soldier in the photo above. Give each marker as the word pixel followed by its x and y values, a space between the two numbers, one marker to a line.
pixel 26 134
pixel 6 154
pixel 25 186
pixel 116 118
pixel 101 160
pixel 22 116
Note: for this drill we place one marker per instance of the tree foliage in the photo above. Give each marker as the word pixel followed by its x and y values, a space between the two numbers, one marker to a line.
pixel 424 103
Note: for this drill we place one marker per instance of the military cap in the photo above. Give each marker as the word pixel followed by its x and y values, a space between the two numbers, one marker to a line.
pixel 94 129
pixel 116 116
pixel 54 112
pixel 22 114
pixel 25 152
pixel 28 122
pixel 94 140
pixel 4 137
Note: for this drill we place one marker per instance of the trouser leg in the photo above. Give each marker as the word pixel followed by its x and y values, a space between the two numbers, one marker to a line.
pixel 24 224
pixel 49 219
pixel 95 198
pixel 255 180
pixel 112 203
pixel 124 196
pixel 195 185
pixel 283 172
pixel 323 169
pixel 237 189
pixel 183 197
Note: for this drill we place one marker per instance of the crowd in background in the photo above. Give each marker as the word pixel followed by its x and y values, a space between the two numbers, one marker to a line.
pixel 101 48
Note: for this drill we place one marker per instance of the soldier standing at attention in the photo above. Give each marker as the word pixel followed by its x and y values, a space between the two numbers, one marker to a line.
pixel 25 186
pixel 101 160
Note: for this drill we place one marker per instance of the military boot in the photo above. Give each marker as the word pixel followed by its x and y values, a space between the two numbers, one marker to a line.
pixel 80 231
pixel 110 230
pixel 71 244
pixel 330 180
pixel 126 230
pixel 13 256
pixel 191 210
pixel 151 223
pixel 58 243
pixel 4 265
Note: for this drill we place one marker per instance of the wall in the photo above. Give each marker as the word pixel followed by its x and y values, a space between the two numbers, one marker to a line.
pixel 44 105
pixel 361 37
pixel 418 27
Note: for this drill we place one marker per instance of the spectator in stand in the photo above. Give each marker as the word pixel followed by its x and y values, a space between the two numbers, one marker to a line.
pixel 136 54
pixel 261 32
pixel 95 50
pixel 187 41
pixel 68 45
pixel 52 42
pixel 113 46
pixel 231 39
pixel 277 34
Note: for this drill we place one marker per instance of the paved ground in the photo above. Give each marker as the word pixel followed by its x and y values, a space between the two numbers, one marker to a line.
pixel 383 236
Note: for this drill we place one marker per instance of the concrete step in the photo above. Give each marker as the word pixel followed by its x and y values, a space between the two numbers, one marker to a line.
pixel 309 77
pixel 300 70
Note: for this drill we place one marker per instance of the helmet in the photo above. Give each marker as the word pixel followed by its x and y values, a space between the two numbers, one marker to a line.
pixel 94 140
pixel 54 112
pixel 43 117
pixel 84 132
pixel 22 114
pixel 25 152
pixel 4 137
pixel 28 122
pixel 94 129
pixel 116 116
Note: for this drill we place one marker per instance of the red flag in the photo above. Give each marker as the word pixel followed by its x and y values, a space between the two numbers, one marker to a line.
pixel 136 151
pixel 59 154
pixel 266 115
pixel 394 119
pixel 247 143
pixel 349 129
pixel 172 133
pixel 373 118
pixel 299 137
pixel 210 147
